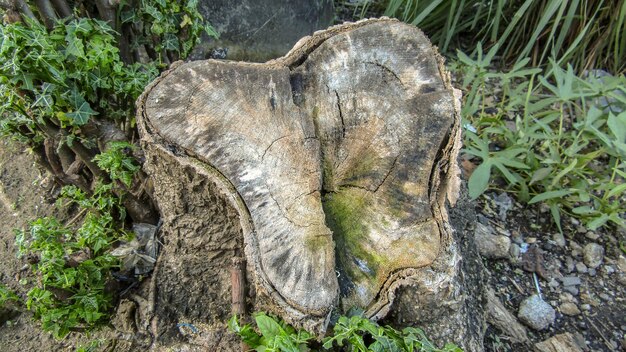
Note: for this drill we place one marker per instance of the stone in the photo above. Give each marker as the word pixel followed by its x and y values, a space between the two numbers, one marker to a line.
pixel 260 30
pixel 605 297
pixel 561 343
pixel 559 239
pixel 581 267
pixel 569 309
pixel 536 313
pixel 490 245
pixel 569 264
pixel 621 263
pixel 571 289
pixel 593 254
pixel 514 252
pixel 592 235
pixel 570 280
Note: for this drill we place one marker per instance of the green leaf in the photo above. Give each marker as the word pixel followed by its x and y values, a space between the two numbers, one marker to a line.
pixel 540 174
pixel 268 326
pixel 479 181
pixel 550 195
pixel 82 115
pixel 617 125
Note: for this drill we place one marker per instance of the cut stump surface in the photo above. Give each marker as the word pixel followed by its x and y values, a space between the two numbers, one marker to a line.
pixel 338 158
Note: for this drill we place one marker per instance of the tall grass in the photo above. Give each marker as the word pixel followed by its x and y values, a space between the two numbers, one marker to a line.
pixel 586 33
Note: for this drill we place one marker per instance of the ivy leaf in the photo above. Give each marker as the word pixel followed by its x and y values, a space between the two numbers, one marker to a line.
pixel 82 114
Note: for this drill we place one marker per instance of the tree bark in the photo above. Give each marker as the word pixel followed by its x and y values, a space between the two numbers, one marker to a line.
pixel 338 160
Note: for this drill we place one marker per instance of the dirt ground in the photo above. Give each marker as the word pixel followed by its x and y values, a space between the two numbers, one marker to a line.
pixel 599 295
pixel 25 195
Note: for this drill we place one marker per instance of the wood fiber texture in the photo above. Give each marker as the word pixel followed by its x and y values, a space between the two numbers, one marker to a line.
pixel 339 157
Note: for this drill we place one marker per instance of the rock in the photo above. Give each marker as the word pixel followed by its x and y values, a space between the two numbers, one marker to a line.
pixel 559 239
pixel 553 283
pixel 571 289
pixel 260 30
pixel 569 308
pixel 504 203
pixel 621 263
pixel 605 297
pixel 593 254
pixel 562 343
pixel 501 318
pixel 490 245
pixel 592 235
pixel 536 313
pixel 586 307
pixel 581 267
pixel 569 264
pixel 514 252
pixel 571 281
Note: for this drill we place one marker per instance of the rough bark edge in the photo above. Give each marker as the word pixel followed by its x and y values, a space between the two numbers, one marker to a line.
pixel 277 304
pixel 441 272
pixel 447 261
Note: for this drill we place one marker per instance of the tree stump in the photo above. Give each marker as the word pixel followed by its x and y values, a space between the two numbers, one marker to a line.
pixel 328 170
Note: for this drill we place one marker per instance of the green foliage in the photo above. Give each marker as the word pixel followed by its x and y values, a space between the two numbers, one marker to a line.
pixel 176 26
pixel 66 77
pixel 586 33
pixel 6 295
pixel 350 333
pixel 73 264
pixel 118 161
pixel 553 136
pixel 274 335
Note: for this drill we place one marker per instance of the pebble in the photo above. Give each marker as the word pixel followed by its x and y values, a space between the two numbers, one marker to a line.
pixel 514 251
pixel 559 239
pixel 571 289
pixel 553 283
pixel 531 240
pixel 586 307
pixel 581 229
pixel 609 269
pixel 593 254
pixel 592 235
pixel 621 263
pixel 490 245
pixel 605 297
pixel 574 246
pixel 581 267
pixel 570 280
pixel 569 309
pixel 536 313
pixel 592 272
pixel 569 264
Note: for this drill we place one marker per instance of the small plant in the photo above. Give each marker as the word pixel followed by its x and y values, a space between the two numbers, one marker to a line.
pixel 350 333
pixel 73 265
pixel 6 295
pixel 118 161
pixel 554 137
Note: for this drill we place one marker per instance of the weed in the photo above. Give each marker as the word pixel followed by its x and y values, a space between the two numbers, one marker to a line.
pixel 6 295
pixel 554 137
pixel 354 333
pixel 73 265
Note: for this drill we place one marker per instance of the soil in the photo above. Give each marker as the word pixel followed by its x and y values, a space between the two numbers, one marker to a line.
pixel 600 324
pixel 25 194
